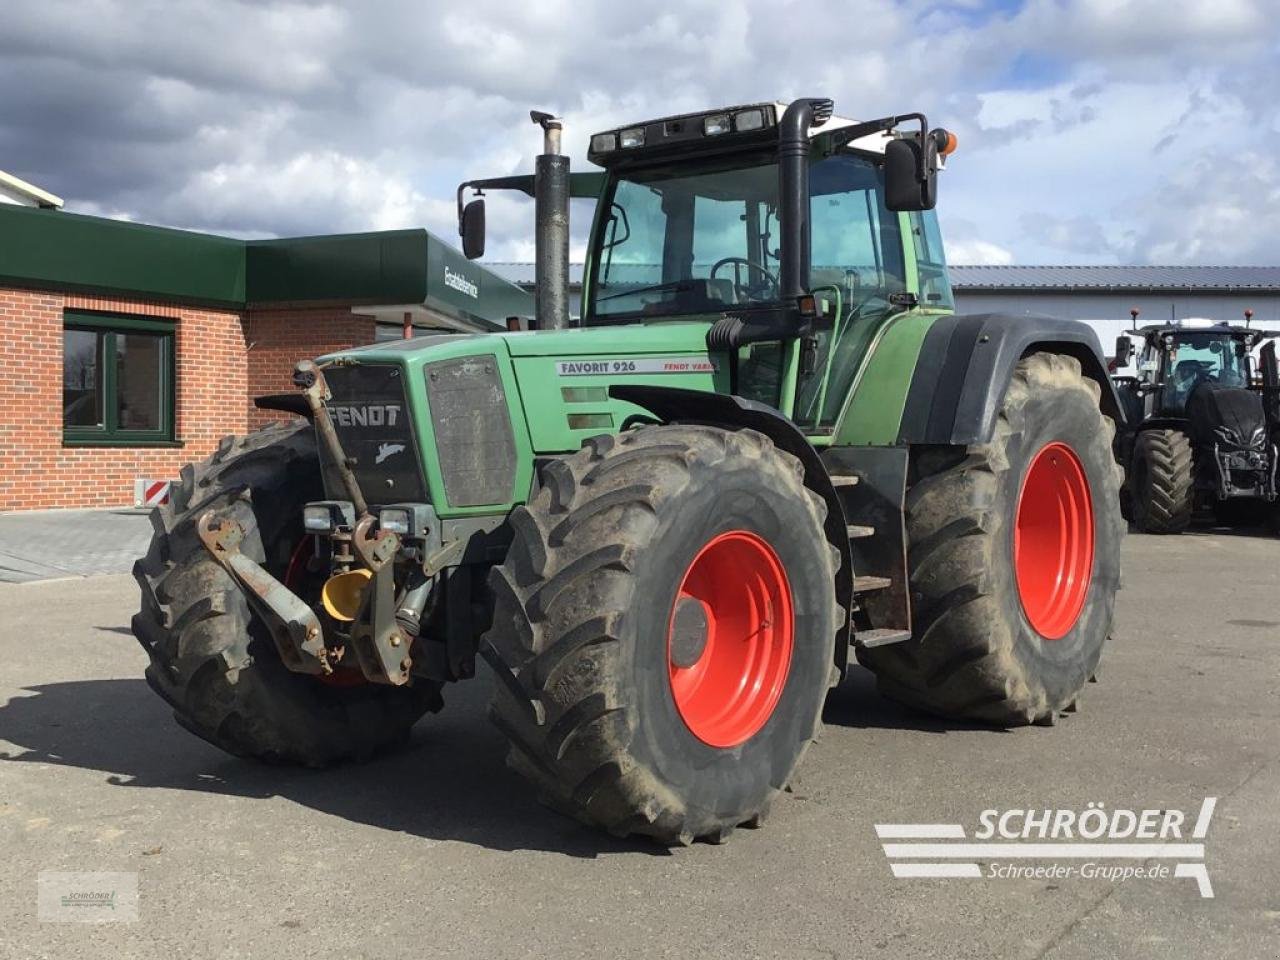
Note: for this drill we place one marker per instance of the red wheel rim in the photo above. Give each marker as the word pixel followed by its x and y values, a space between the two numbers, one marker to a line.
pixel 729 639
pixel 1053 541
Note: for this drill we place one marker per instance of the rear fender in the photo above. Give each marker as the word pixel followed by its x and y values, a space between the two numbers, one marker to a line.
pixel 967 361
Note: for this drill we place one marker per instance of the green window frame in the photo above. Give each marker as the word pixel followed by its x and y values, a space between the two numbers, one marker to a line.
pixel 112 332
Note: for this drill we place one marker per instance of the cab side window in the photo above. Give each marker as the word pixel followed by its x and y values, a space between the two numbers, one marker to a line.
pixel 931 261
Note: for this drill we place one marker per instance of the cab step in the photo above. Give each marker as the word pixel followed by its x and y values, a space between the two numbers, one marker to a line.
pixel 880 638
pixel 867 584
pixel 856 531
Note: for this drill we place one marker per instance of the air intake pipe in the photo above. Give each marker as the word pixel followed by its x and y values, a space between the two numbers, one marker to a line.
pixel 793 190
pixel 551 225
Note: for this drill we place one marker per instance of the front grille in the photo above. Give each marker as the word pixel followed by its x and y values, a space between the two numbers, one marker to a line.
pixel 373 424
pixel 474 440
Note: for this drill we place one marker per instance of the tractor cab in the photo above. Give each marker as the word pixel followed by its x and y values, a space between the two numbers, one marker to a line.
pixel 1177 358
pixel 792 234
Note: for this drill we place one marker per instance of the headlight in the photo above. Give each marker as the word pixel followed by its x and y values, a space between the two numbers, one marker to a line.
pixel 327 516
pixel 631 138
pixel 745 120
pixel 715 124
pixel 394 520
pixel 410 521
pixel 604 142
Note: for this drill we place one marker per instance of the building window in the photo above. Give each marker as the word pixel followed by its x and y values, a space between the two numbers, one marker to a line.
pixel 117 380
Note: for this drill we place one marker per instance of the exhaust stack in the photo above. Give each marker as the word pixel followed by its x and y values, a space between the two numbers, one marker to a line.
pixel 793 190
pixel 551 225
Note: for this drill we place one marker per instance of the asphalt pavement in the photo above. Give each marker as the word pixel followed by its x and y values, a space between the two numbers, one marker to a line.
pixel 439 851
pixel 57 544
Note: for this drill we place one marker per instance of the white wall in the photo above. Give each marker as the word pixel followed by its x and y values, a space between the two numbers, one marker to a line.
pixel 1108 313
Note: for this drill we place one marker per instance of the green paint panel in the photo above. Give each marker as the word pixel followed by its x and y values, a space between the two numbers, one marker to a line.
pixel 688 335
pixel 557 426
pixel 52 249
pixel 873 412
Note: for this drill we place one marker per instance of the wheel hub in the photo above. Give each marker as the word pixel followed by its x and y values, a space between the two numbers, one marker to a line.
pixel 688 632
pixel 1053 541
pixel 730 638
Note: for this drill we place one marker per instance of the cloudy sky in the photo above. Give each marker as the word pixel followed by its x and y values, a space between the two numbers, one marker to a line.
pixel 1091 131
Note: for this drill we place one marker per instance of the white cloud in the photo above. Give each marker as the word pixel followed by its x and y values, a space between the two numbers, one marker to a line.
pixel 978 253
pixel 1091 130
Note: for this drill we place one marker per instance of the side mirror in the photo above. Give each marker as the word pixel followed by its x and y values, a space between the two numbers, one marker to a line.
pixel 1124 351
pixel 472 228
pixel 911 169
pixel 903 187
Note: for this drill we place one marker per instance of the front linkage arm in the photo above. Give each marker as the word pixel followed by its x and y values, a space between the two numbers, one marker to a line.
pixel 381 647
pixel 293 625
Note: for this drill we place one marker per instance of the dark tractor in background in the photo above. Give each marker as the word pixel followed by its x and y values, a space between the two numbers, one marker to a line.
pixel 1203 414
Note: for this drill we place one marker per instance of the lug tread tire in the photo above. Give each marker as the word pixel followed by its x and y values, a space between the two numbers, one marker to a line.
pixel 562 698
pixel 1166 501
pixel 211 659
pixel 961 661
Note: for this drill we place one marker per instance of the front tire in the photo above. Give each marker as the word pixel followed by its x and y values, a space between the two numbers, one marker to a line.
pixel 1014 555
pixel 212 659
pixel 663 631
pixel 1161 481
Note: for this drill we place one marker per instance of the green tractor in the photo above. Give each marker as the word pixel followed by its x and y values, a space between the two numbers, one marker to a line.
pixel 1203 424
pixel 768 446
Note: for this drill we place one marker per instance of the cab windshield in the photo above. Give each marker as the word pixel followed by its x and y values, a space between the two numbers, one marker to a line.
pixel 1196 358
pixel 687 239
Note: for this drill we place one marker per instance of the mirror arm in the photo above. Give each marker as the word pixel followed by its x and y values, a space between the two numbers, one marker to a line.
pixel 847 135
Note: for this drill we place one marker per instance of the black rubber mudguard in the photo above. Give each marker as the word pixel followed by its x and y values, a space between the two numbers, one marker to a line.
pixel 965 365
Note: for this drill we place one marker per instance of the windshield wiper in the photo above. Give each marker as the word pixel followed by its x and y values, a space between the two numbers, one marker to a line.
pixel 676 286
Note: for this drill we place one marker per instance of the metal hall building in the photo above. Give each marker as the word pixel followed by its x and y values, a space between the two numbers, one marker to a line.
pixel 1101 296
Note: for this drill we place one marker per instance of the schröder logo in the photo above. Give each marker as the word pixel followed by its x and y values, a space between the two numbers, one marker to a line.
pixel 460 283
pixel 1061 843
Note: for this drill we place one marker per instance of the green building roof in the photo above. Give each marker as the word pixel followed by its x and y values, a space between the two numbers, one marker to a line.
pixel 53 250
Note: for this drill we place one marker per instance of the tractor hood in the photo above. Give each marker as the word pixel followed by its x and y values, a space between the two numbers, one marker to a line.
pixel 593 341
pixel 484 406
pixel 1232 417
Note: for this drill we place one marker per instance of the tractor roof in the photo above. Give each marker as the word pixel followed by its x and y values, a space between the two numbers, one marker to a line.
pixel 1221 329
pixel 722 128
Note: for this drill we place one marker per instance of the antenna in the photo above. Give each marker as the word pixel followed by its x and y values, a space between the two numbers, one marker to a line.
pixel 1248 315
pixel 1133 318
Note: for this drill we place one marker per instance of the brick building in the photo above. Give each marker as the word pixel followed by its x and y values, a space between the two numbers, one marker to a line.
pixel 130 350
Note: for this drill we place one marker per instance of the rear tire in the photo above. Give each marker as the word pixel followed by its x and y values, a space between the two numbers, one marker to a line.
pixel 583 638
pixel 975 653
pixel 212 659
pixel 1161 481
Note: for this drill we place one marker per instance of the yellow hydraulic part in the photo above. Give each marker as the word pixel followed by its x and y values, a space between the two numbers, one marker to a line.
pixel 343 594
